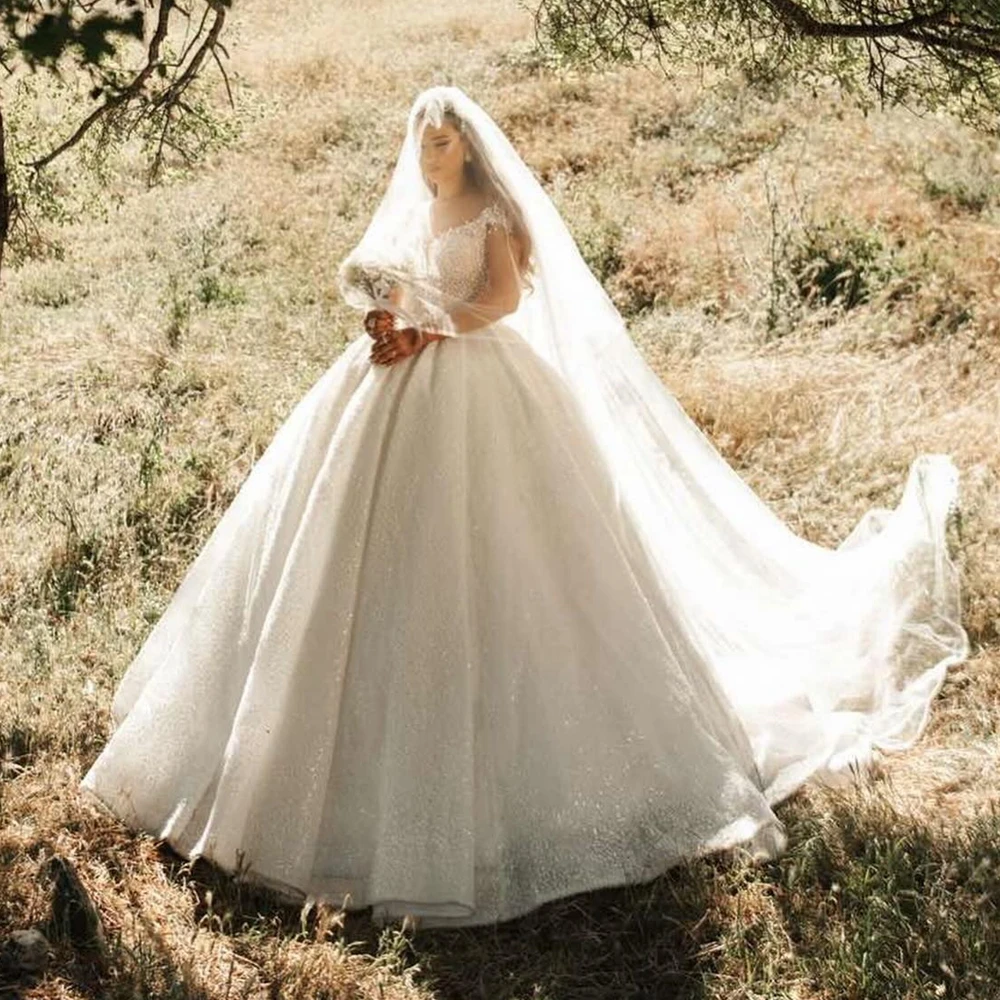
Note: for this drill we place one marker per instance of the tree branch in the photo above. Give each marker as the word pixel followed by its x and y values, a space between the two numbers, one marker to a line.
pixel 5 210
pixel 796 16
pixel 961 45
pixel 170 94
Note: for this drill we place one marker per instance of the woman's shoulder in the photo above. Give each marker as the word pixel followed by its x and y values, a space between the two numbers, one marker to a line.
pixel 493 213
pixel 486 212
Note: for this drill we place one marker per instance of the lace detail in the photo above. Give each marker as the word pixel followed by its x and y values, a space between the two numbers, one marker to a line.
pixel 488 215
pixel 457 255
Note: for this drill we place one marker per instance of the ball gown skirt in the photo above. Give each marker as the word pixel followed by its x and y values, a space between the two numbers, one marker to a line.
pixel 425 661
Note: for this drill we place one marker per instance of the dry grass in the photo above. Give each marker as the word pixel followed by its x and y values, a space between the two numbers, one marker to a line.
pixel 148 356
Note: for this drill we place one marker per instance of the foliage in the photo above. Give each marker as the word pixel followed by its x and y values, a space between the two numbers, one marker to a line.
pixel 832 263
pixel 41 34
pixel 150 98
pixel 600 247
pixel 928 54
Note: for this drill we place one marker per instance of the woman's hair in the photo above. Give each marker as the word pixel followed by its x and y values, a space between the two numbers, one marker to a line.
pixel 478 174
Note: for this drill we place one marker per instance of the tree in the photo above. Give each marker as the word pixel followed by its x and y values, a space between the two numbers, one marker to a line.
pixel 149 98
pixel 927 54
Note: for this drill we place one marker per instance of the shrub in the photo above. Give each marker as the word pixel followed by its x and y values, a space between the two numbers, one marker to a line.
pixel 600 247
pixel 835 264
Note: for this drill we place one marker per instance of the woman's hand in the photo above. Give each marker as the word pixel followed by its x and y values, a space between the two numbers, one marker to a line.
pixel 396 345
pixel 379 323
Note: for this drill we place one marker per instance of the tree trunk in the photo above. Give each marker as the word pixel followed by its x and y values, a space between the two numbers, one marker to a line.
pixel 5 211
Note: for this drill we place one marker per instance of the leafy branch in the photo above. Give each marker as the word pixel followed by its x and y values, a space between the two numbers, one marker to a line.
pixel 921 53
pixel 152 96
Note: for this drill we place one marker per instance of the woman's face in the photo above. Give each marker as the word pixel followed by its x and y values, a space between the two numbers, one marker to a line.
pixel 442 152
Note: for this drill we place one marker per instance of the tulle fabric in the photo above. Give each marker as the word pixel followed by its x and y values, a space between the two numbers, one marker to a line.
pixel 825 654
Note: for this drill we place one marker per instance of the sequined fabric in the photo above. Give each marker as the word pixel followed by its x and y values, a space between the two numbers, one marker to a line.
pixel 456 256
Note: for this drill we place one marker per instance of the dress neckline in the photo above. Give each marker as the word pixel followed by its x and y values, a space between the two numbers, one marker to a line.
pixel 461 225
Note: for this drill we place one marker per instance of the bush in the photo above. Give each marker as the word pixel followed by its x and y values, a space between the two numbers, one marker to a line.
pixel 833 264
pixel 963 182
pixel 600 247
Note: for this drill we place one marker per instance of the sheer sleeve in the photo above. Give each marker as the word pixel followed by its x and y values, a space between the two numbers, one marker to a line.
pixel 501 288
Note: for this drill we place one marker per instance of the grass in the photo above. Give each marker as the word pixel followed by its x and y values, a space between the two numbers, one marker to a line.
pixel 154 341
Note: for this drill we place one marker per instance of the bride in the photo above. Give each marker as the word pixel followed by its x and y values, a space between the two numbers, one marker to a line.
pixel 491 621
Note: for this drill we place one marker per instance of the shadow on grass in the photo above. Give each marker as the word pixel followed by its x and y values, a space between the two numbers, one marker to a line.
pixel 865 903
pixel 642 940
pixel 651 940
pixel 879 905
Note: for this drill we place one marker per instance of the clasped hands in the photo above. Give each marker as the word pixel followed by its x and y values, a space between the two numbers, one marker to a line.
pixel 391 345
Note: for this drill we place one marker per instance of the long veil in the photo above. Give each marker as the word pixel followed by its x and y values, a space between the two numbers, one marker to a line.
pixel 825 654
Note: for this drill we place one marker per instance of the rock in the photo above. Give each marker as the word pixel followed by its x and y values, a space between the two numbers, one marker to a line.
pixel 25 953
pixel 74 915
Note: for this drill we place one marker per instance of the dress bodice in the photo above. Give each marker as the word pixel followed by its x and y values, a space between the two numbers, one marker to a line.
pixel 456 257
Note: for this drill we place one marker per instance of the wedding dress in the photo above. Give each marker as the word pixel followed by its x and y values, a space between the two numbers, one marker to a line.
pixel 497 624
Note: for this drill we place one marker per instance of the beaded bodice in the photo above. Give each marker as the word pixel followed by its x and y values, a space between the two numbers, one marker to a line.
pixel 456 257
